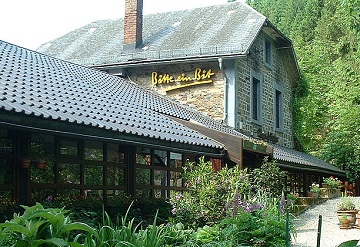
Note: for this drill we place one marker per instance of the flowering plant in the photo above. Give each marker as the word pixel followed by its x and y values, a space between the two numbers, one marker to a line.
pixel 8 205
pixel 332 182
pixel 292 196
pixel 315 188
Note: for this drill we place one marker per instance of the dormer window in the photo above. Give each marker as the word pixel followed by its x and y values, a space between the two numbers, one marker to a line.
pixel 268 53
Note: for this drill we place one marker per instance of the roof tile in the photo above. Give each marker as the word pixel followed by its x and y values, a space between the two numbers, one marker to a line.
pixel 55 89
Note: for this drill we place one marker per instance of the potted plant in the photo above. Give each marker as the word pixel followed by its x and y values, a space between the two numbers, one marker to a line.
pixel 331 182
pixel 291 198
pixel 347 208
pixel 345 222
pixel 314 190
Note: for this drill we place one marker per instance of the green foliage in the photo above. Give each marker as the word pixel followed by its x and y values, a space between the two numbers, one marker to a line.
pixel 315 188
pixel 346 203
pixel 332 182
pixel 269 179
pixel 350 243
pixel 254 230
pixel 326 39
pixel 208 192
pixel 38 226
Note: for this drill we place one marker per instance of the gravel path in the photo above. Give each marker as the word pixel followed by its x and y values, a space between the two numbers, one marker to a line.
pixel 306 225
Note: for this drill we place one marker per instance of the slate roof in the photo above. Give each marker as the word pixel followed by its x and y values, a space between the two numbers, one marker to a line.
pixel 301 161
pixel 220 30
pixel 35 84
pixel 38 85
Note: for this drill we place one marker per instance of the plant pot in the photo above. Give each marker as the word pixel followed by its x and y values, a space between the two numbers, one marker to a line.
pixel 345 224
pixel 349 214
pixel 42 164
pixel 358 220
pixel 313 194
pixel 25 163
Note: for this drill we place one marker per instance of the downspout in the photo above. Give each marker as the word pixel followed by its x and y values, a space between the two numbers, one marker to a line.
pixel 225 116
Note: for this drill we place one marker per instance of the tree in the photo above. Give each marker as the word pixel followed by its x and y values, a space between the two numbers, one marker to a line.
pixel 325 34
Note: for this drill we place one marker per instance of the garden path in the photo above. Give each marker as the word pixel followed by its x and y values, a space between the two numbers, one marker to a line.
pixel 306 225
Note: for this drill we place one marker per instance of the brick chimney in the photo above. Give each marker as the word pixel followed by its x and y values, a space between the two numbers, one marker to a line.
pixel 133 24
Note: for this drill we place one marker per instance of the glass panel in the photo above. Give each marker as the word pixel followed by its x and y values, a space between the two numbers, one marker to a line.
pixel 143 156
pixel 44 196
pixel 94 174
pixel 67 197
pixel 115 175
pixel 175 179
pixel 43 174
pixel 68 147
pixel 190 158
pixel 69 173
pixel 143 176
pixel 42 149
pixel 93 151
pixel 6 171
pixel 6 146
pixel 114 154
pixel 160 193
pixel 142 193
pixel 160 177
pixel 115 194
pixel 175 160
pixel 94 194
pixel 160 158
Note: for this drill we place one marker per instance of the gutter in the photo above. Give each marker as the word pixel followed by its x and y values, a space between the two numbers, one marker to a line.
pixel 145 61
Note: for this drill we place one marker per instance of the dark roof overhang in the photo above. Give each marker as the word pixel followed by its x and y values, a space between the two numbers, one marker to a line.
pixel 307 168
pixel 233 143
pixel 24 122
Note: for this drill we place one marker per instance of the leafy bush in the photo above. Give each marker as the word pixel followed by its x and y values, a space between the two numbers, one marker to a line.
pixel 204 203
pixel 332 182
pixel 346 204
pixel 47 227
pixel 269 179
pixel 315 188
pixel 248 229
pixel 142 209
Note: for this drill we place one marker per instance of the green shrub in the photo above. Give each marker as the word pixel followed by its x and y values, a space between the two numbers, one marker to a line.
pixel 269 179
pixel 43 227
pixel 247 229
pixel 142 209
pixel 204 203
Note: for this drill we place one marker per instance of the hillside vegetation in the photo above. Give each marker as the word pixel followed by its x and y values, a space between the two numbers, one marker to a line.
pixel 326 38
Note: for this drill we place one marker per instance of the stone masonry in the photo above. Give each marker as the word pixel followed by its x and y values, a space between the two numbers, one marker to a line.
pixel 209 98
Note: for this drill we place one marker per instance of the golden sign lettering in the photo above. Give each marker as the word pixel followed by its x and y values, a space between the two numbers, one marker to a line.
pixel 200 77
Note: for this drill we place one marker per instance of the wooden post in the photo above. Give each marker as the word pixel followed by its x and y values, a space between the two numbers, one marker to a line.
pixel 241 165
pixel 319 231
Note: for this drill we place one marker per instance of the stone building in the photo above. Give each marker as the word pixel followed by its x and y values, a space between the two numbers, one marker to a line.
pixel 226 61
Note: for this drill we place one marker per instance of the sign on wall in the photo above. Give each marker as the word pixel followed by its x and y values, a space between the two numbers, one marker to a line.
pixel 200 76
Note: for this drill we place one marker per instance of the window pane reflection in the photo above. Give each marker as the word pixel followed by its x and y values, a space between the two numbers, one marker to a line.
pixel 69 173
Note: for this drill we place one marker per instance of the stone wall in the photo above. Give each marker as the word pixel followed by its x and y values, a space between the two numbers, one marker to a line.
pixel 207 98
pixel 271 75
